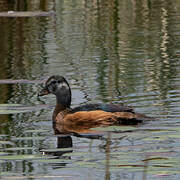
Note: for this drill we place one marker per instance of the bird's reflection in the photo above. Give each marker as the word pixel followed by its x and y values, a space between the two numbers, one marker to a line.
pixel 78 131
pixel 64 141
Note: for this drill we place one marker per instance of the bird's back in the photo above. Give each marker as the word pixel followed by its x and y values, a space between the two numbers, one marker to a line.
pixel 104 107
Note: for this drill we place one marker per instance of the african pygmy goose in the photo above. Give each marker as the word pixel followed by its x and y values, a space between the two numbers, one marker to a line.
pixel 89 115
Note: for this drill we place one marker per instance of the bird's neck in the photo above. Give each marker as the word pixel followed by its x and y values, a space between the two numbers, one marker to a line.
pixel 58 115
pixel 62 104
pixel 59 108
pixel 63 99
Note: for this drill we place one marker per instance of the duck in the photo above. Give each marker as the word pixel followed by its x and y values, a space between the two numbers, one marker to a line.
pixel 85 116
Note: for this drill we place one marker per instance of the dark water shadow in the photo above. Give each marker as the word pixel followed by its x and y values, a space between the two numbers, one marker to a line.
pixel 64 145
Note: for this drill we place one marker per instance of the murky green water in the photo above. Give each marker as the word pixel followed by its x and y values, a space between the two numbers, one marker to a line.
pixel 110 51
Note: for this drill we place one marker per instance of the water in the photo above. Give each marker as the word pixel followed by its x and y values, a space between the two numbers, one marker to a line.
pixel 110 51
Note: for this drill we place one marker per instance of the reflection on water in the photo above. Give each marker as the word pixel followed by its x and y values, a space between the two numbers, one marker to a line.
pixel 120 51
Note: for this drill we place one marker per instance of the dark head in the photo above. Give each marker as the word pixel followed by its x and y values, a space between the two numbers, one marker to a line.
pixel 58 86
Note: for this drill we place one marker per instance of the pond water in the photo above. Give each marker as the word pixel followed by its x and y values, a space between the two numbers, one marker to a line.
pixel 110 51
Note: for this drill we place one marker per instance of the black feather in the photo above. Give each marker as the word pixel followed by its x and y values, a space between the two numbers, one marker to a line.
pixel 103 107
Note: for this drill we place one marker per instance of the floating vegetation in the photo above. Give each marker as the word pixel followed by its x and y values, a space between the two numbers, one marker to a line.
pixel 40 176
pixel 19 108
pixel 17 148
pixel 2 142
pixel 28 138
pixel 117 129
pixel 24 157
pixel 56 150
pixel 26 13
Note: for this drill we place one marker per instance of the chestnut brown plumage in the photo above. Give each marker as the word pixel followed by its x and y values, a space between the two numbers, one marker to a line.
pixel 87 116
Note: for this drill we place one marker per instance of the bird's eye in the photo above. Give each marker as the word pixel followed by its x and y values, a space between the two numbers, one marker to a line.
pixel 53 82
